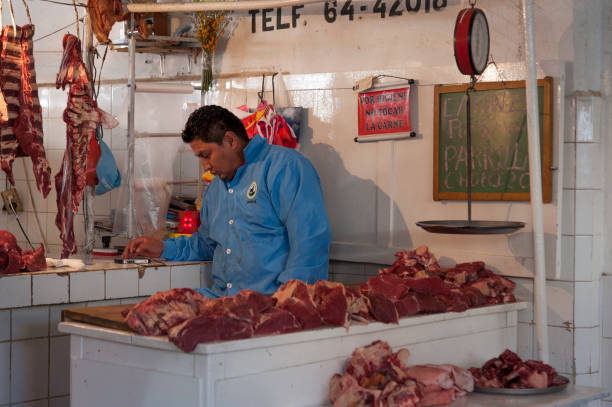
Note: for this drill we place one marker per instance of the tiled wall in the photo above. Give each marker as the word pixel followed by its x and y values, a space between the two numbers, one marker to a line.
pixel 34 355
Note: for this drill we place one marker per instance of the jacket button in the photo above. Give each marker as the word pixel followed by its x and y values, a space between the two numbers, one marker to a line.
pixel 231 191
pixel 229 285
pixel 228 251
pixel 231 221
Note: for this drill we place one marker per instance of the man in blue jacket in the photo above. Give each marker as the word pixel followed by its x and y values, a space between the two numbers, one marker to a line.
pixel 263 215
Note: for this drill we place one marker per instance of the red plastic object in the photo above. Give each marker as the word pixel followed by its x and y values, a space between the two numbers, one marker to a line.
pixel 189 221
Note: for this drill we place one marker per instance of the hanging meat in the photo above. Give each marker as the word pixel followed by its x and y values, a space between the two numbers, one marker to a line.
pixel 20 110
pixel 14 260
pixel 81 116
pixel 105 13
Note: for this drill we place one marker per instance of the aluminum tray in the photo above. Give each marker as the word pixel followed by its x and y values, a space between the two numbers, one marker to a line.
pixel 523 392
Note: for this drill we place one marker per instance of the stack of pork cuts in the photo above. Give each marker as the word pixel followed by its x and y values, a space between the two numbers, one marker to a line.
pixel 509 371
pixel 81 116
pixel 20 110
pixel 377 377
pixel 15 260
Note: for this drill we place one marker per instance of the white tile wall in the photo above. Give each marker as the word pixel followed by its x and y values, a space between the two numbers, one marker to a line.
pixel 584 211
pixel 568 244
pixel 587 349
pixel 524 292
pixel 55 316
pixel 37 403
pixel 606 307
pixel 59 366
pixel 121 283
pixel 185 276
pixel 29 370
pixel 569 173
pixel 588 165
pixel 560 298
pixel 103 303
pixel 15 291
pixel 5 325
pixel 87 286
pixel 50 289
pixel 586 304
pixel 561 345
pixel 154 279
pixel 569 212
pixel 5 373
pixel 606 365
pixel 32 322
pixel 60 401
pixel 592 380
pixel 583 263
pixel 525 339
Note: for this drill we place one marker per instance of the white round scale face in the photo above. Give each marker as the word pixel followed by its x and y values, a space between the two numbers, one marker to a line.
pixel 479 42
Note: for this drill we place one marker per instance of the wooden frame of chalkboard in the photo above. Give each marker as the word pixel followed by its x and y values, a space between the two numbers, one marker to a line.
pixel 500 165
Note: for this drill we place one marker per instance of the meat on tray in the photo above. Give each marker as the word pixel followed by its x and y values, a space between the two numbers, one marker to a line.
pixel 21 132
pixel 510 371
pixel 188 318
pixel 14 260
pixel 376 376
pixel 81 116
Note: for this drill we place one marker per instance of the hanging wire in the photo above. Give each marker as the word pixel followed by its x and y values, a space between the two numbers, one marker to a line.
pixel 27 11
pixel 273 91
pixel 56 31
pixel 77 19
pixel 13 17
pixel 65 4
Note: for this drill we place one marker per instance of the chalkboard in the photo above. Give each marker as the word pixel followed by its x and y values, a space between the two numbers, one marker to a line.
pixel 500 158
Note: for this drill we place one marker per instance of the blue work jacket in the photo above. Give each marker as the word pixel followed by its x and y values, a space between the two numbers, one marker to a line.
pixel 266 226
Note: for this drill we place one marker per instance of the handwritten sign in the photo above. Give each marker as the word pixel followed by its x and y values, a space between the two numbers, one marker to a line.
pixel 384 111
pixel 500 159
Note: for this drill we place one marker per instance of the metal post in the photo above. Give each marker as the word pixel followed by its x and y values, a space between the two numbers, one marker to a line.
pixel 535 178
pixel 89 189
pixel 130 135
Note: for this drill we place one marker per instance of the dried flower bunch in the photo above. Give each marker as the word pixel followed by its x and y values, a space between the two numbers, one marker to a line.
pixel 212 25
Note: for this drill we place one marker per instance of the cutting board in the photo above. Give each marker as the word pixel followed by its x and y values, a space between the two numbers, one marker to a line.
pixel 108 316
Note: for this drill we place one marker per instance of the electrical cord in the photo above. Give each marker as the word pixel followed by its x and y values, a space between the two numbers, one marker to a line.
pixel 19 222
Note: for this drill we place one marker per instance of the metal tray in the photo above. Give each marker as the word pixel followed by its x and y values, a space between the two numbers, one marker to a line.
pixel 474 227
pixel 523 392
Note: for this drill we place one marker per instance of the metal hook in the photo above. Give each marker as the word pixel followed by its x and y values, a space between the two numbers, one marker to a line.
pixel 472 3
pixel 77 19
pixel 273 91
pixel 260 94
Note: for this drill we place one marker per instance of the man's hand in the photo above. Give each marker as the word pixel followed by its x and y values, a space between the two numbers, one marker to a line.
pixel 144 247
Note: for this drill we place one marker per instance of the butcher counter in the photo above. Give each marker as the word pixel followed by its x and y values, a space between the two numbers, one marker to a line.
pixel 34 355
pixel 111 367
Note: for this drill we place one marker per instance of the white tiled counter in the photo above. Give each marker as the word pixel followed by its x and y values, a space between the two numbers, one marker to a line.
pixel 117 368
pixel 34 355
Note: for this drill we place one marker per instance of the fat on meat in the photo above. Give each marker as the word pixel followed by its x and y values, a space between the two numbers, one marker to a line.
pixel 81 116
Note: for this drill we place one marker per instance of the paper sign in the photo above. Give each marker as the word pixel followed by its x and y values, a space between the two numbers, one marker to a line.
pixel 384 111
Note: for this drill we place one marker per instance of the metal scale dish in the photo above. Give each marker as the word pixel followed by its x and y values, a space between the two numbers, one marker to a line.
pixel 471 55
pixel 525 392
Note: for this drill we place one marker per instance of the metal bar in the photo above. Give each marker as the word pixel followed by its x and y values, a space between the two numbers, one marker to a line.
pixel 147 135
pixel 384 137
pixel 89 189
pixel 469 156
pixel 560 166
pixel 535 180
pixel 130 135
pixel 213 5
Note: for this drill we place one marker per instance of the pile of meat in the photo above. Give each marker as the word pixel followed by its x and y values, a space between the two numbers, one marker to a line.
pixel 21 126
pixel 188 318
pixel 509 371
pixel 415 283
pixel 14 260
pixel 377 377
pixel 81 116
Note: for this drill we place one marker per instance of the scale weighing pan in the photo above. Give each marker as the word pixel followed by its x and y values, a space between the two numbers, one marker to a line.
pixel 470 227
pixel 559 384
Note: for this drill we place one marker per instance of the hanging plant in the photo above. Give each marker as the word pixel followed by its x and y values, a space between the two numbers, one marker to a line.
pixel 212 25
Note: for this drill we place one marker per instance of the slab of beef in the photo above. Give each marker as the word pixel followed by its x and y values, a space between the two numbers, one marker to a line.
pixel 332 302
pixel 294 296
pixel 14 260
pixel 81 116
pixel 103 14
pixel 376 376
pixel 510 371
pixel 164 310
pixel 20 110
pixel 276 321
pixel 417 263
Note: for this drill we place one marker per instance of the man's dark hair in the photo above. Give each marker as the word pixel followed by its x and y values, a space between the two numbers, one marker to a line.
pixel 209 124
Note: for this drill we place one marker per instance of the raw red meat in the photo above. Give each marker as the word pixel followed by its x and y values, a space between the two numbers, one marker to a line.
pixel 417 263
pixel 509 371
pixel 276 321
pixel 81 116
pixel 209 328
pixel 358 309
pixel 332 302
pixel 14 260
pixel 164 310
pixel 294 296
pixel 20 110
pixel 103 14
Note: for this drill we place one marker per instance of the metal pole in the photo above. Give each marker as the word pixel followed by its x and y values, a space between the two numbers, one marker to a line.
pixel 130 135
pixel 535 178
pixel 89 189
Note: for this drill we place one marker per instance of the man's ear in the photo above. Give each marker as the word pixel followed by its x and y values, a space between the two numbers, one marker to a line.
pixel 232 139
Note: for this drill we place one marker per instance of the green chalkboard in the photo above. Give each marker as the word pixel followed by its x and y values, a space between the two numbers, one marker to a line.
pixel 500 159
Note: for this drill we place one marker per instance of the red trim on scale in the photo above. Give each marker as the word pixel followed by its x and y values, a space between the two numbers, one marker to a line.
pixel 462 37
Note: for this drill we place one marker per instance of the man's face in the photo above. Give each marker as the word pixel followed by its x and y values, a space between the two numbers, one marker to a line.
pixel 222 160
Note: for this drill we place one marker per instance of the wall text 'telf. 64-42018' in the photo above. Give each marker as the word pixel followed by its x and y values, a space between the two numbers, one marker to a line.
pixel 270 19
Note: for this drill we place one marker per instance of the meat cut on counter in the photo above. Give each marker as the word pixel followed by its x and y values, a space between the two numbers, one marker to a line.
pixel 81 116
pixel 510 371
pixel 15 260
pixel 21 129
pixel 188 318
pixel 378 377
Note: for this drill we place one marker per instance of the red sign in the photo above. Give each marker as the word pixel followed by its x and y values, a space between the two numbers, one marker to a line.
pixel 384 111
